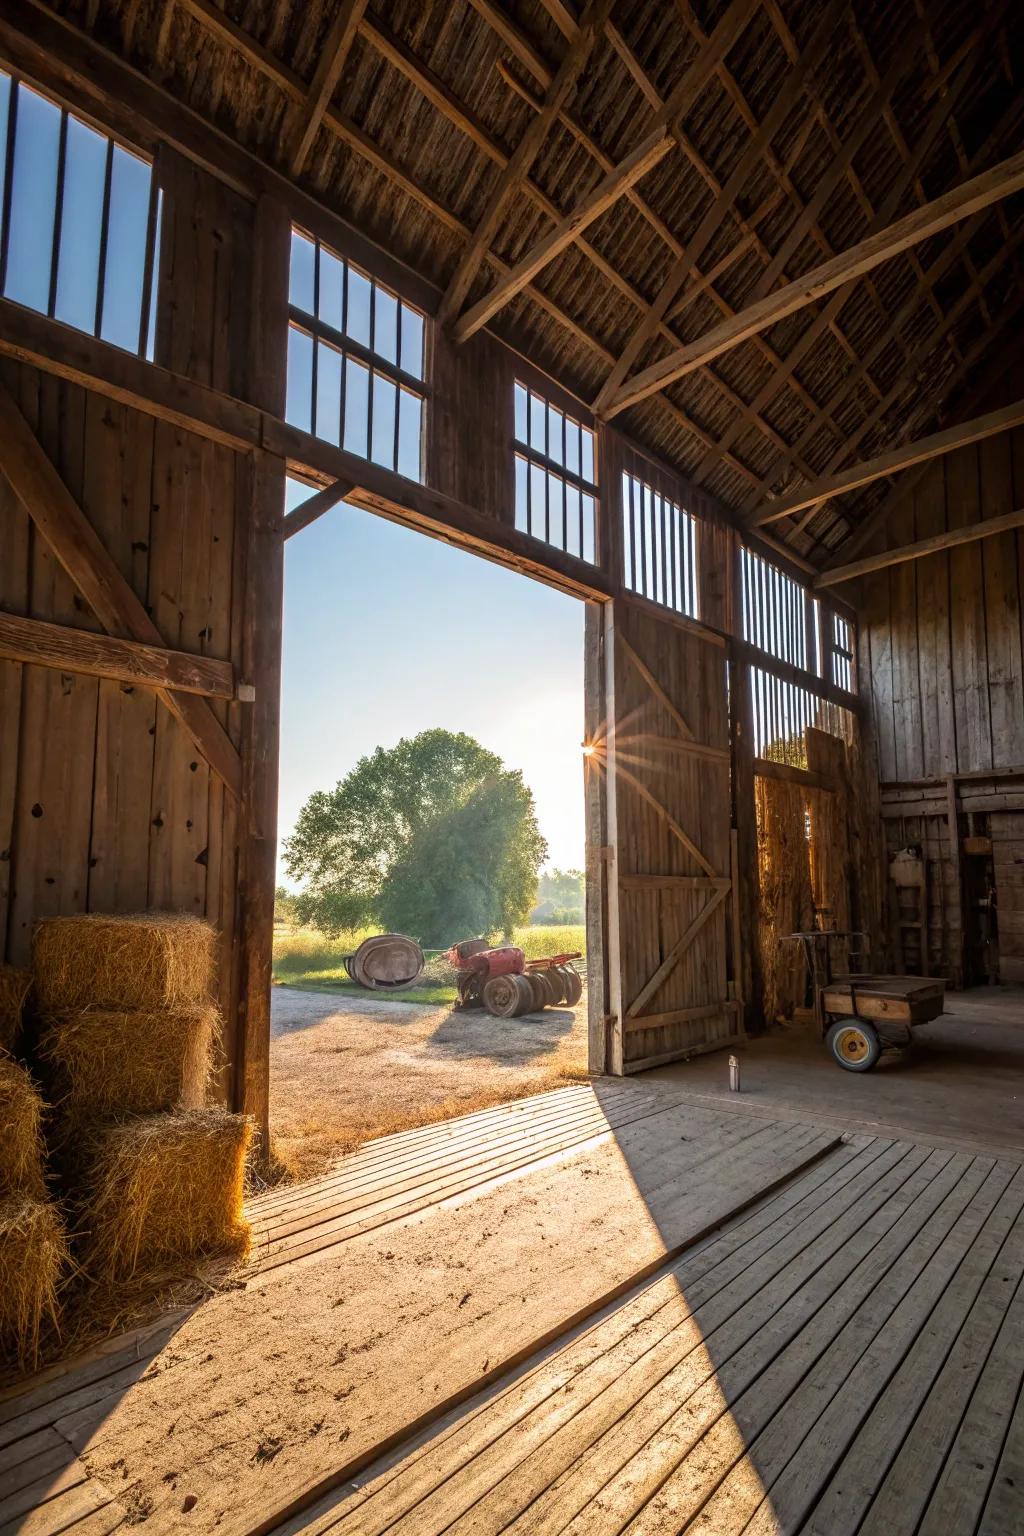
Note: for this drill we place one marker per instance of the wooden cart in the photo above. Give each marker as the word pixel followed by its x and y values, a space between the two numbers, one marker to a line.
pixel 860 1015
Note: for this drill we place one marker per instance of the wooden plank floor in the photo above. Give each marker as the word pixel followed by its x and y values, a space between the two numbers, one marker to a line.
pixel 463 1246
pixel 848 1358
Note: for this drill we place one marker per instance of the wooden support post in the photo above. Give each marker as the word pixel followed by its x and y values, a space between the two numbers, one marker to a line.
pixel 261 648
pixel 596 813
pixel 744 816
pixel 955 854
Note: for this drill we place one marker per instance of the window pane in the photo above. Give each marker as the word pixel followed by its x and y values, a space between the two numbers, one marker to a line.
pixel 357 322
pixel 357 393
pixel 33 199
pixel 538 487
pixel 382 447
pixel 538 424
pixel 299 396
pixel 555 420
pixel 5 106
pixel 520 414
pixel 331 294
pixel 126 250
pixel 556 511
pixel 385 325
pixel 81 220
pixel 572 447
pixel 412 342
pixel 588 455
pixel 300 278
pixel 572 520
pixel 588 528
pixel 157 226
pixel 328 392
pixel 522 508
pixel 410 415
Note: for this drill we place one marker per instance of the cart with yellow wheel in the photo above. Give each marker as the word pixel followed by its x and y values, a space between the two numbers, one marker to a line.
pixel 860 1015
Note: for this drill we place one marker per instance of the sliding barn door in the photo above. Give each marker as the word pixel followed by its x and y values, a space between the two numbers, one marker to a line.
pixel 668 852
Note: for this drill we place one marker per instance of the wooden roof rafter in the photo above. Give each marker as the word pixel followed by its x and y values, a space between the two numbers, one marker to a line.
pixel 732 427
pixel 799 351
pixel 919 364
pixel 440 96
pixel 650 151
pixel 561 87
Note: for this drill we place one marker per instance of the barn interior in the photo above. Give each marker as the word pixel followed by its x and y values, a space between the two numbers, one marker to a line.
pixel 709 315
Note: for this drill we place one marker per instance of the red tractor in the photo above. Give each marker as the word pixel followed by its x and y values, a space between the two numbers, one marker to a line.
pixel 507 984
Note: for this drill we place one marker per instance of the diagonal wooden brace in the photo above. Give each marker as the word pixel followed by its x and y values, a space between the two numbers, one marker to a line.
pixel 80 551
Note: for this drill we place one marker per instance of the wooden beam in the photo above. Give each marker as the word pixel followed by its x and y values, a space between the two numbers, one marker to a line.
pixel 653 148
pixel 782 105
pixel 591 26
pixel 81 359
pixel 333 55
pixel 931 546
pixel 80 551
pixel 261 628
pixel 891 462
pixel 764 768
pixel 983 348
pixel 676 953
pixel 319 503
pixel 785 374
pixel 980 192
pixel 123 661
pixel 820 687
pixel 195 408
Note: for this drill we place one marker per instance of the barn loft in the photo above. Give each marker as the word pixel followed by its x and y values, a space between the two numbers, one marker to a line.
pixel 709 316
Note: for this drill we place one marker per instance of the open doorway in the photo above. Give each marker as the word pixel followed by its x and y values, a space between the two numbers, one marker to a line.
pixel 408 664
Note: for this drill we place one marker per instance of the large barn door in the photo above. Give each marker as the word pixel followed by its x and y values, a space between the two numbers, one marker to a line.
pixel 668 850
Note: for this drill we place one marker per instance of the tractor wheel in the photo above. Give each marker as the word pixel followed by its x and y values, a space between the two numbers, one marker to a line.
pixel 553 983
pixel 854 1044
pixel 508 996
pixel 467 985
pixel 539 990
pixel 572 984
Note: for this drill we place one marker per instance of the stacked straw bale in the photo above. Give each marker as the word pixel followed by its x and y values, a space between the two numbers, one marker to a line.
pixel 33 1253
pixel 150 960
pixel 163 1189
pixel 14 987
pixel 128 1030
pixel 21 1142
pixel 109 1062
pixel 33 1249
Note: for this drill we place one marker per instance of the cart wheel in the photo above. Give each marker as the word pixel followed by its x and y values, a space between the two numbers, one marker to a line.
pixel 855 1045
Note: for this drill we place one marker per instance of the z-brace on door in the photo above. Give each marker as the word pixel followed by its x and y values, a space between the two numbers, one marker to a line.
pixel 661 754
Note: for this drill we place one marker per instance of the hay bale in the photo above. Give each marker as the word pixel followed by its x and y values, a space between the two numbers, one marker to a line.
pixel 112 1062
pixel 149 960
pixel 21 1145
pixel 33 1252
pixel 164 1190
pixel 14 985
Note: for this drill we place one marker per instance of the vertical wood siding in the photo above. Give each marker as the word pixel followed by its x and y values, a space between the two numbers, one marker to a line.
pixel 105 803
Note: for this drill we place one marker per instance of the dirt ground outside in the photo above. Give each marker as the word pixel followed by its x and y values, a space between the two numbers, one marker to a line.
pixel 345 1070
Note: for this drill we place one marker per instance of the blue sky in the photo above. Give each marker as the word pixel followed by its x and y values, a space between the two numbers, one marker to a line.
pixel 425 635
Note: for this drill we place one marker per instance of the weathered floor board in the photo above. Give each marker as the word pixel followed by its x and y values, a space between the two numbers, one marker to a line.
pixel 593 1312
pixel 848 1358
pixel 388 1291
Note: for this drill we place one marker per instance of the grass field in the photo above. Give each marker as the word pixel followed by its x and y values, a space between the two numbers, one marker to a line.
pixel 305 958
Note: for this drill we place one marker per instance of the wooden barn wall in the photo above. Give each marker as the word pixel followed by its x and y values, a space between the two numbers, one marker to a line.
pixel 942 661
pixel 105 803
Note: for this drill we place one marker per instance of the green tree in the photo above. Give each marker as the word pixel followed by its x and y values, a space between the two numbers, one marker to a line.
pixel 433 837
pixel 284 905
